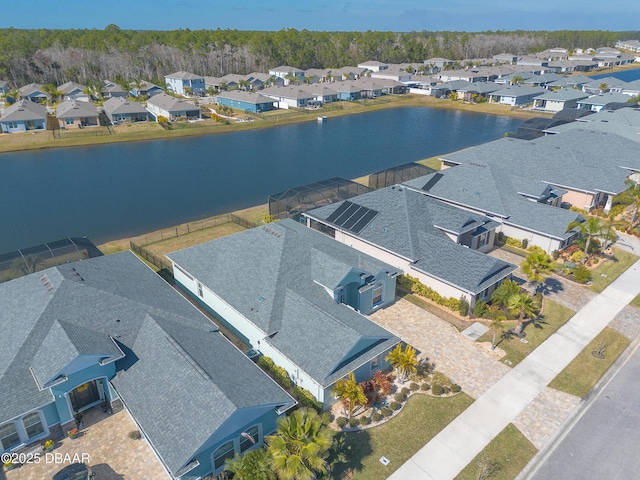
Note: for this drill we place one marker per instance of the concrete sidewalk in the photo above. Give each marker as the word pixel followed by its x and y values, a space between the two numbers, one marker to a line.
pixel 454 447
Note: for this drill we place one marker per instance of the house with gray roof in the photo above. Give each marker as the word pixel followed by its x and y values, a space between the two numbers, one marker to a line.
pixel 163 105
pixel 245 101
pixel 293 96
pixel 323 92
pixel 610 84
pixel 111 89
pixel 74 91
pixel 108 332
pixel 76 114
pixel 297 296
pixel 347 90
pixel 596 103
pixel 434 241
pixel 34 93
pixel 122 110
pixel 185 83
pixel 374 66
pixel 288 74
pixel 515 95
pixel 23 116
pixel 556 100
pixel 624 122
pixel 145 89
pixel 4 87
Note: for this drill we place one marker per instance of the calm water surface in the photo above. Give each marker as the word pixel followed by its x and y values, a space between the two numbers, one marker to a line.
pixel 625 75
pixel 114 191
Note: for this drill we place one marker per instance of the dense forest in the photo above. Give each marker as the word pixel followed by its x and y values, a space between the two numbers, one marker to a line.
pixel 85 56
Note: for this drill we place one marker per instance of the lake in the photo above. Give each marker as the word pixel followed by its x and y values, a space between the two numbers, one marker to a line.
pixel 115 191
pixel 624 75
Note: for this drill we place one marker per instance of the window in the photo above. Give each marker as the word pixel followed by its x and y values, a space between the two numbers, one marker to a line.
pixel 33 424
pixel 249 438
pixel 482 240
pixel 200 294
pixel 375 363
pixel 222 454
pixel 377 293
pixel 69 121
pixel 9 436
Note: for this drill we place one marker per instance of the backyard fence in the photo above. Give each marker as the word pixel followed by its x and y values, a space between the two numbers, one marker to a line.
pixel 151 258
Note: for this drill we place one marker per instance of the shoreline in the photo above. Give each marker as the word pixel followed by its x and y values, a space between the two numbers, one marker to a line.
pixel 150 131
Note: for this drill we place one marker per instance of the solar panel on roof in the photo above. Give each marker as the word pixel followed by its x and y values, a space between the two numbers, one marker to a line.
pixel 435 179
pixel 357 215
pixel 364 221
pixel 339 211
pixel 346 214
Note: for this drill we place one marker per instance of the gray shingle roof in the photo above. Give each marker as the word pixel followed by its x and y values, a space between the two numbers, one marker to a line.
pixel 75 109
pixel 184 75
pixel 563 95
pixel 180 378
pixel 24 110
pixel 70 87
pixel 624 122
pixel 412 225
pixel 275 276
pixel 171 104
pixel 119 105
pixel 247 97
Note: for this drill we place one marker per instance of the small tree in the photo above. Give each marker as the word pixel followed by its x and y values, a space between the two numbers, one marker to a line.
pixel 253 465
pixel 536 267
pixel 591 228
pixel 506 290
pixel 350 393
pixel 497 325
pixel 404 361
pixel 525 306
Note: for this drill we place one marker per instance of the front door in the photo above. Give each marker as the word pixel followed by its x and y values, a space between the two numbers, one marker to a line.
pixel 84 395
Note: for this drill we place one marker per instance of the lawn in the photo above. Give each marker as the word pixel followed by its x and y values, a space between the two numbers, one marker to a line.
pixel 505 456
pixel 552 317
pixel 419 421
pixel 609 270
pixel 635 302
pixel 579 377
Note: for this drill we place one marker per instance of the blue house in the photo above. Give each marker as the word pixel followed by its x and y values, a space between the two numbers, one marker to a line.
pixel 246 101
pixel 109 332
pixel 185 83
pixel 22 116
pixel 298 297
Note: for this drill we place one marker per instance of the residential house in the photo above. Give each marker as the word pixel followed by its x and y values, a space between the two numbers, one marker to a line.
pixel 602 85
pixel 34 93
pixel 4 87
pixel 623 122
pixel 258 80
pixel 506 58
pixel 348 91
pixel 542 80
pixel 631 45
pixel 466 75
pixel 445 89
pixel 393 74
pixel 74 91
pixel 185 84
pixel 23 116
pixel 111 89
pixel 532 61
pixel 373 66
pixel 438 243
pixel 245 101
pixel 109 332
pixel 632 88
pixel 573 81
pixel 163 105
pixel 471 91
pixel 554 101
pixel 288 74
pixel 321 92
pixel 436 64
pixel 145 89
pixel 122 110
pixel 596 103
pixel 297 296
pixel 293 96
pixel 375 87
pixel 515 95
pixel 348 73
pixel 76 114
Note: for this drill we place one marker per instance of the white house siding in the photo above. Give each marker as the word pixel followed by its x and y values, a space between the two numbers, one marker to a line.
pixel 544 242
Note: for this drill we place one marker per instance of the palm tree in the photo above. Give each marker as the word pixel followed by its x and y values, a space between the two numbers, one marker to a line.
pixel 300 446
pixel 350 393
pixel 536 266
pixel 11 96
pixel 525 306
pixel 253 465
pixel 603 87
pixel 517 80
pixel 634 193
pixel 497 326
pixel 591 228
pixel 52 91
pixel 405 362
pixel 506 290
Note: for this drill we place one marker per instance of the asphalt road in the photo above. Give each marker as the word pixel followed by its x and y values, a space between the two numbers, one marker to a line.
pixel 604 442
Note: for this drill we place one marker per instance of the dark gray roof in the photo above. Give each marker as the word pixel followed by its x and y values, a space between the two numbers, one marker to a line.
pixel 180 378
pixel 563 95
pixel 75 109
pixel 24 110
pixel 171 104
pixel 412 225
pixel 624 122
pixel 70 87
pixel 275 276
pixel 605 98
pixel 247 97
pixel 518 91
pixel 122 105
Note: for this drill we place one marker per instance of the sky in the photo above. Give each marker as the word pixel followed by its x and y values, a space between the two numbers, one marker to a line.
pixel 346 15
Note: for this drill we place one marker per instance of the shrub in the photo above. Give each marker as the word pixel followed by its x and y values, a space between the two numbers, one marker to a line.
pixel 265 362
pixel 578 210
pixel 446 389
pixel 514 242
pixel 365 421
pixel 341 422
pixel 577 257
pixel 437 389
pixel 425 387
pixel 400 397
pixel 524 243
pixel 281 376
pixel 555 254
pixel 376 417
pixel 354 422
pixel 479 308
pixel 386 411
pixel 536 249
pixel 455 388
pixel 463 306
pixel 582 274
pixel 414 386
pixel 500 237
pixel 306 398
pixel 440 378
pixel 394 405
pixel 405 390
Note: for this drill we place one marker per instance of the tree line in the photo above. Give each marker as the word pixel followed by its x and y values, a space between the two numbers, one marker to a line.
pixel 83 56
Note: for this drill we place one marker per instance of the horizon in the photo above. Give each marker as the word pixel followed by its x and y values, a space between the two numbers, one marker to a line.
pixel 398 16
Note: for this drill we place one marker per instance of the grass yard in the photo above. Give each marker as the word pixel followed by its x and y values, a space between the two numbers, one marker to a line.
pixel 635 302
pixel 504 457
pixel 553 316
pixel 585 370
pixel 193 238
pixel 609 270
pixel 398 439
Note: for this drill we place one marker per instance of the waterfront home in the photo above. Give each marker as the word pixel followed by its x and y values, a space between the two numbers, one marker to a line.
pixel 76 114
pixel 73 91
pixel 596 103
pixel 22 116
pixel 293 96
pixel 185 84
pixel 297 296
pixel 602 85
pixel 321 92
pixel 109 333
pixel 34 93
pixel 122 110
pixel 347 90
pixel 163 105
pixel 632 88
pixel 288 74
pixel 471 92
pixel 145 89
pixel 373 66
pixel 556 100
pixel 245 101
pixel 624 122
pixel 515 95
pixel 436 242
